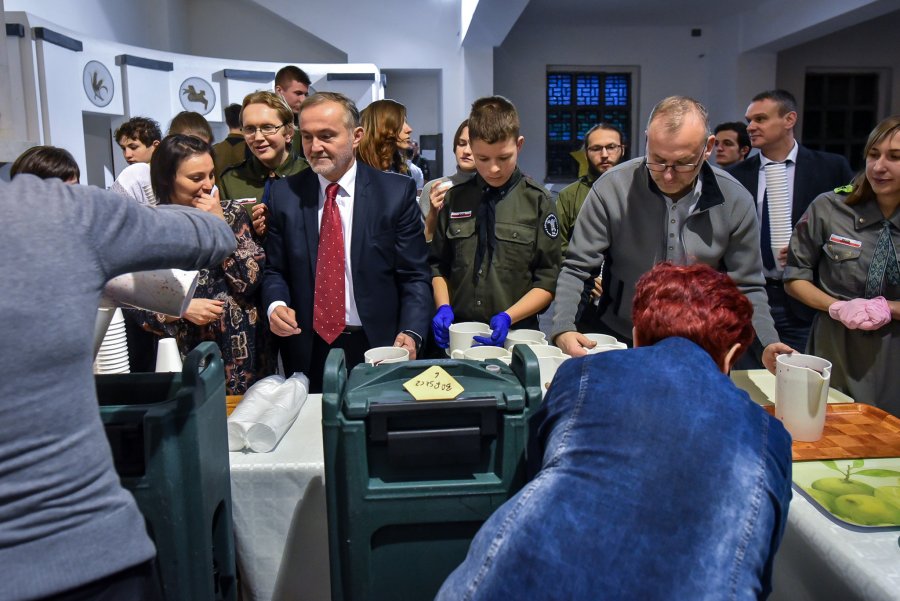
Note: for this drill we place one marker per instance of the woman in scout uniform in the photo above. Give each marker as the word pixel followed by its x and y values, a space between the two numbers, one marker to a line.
pixel 495 254
pixel 843 262
pixel 267 123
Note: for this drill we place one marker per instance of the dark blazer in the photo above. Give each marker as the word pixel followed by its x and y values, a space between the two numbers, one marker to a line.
pixel 391 278
pixel 815 172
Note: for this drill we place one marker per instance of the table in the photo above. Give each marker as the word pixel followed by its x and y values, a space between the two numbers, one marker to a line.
pixel 818 559
pixel 760 385
pixel 281 528
pixel 280 520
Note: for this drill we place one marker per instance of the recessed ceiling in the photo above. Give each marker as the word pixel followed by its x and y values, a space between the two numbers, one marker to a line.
pixel 632 12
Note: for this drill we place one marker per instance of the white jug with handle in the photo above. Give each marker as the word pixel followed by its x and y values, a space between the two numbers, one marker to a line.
pixel 801 394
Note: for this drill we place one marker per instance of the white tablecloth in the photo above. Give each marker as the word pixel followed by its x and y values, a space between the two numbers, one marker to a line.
pixel 280 521
pixel 282 537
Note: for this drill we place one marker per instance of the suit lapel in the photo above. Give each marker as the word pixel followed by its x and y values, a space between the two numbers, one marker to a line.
pixel 361 211
pixel 803 179
pixel 309 206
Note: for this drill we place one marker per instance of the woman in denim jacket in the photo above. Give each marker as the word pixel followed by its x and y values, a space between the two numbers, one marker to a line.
pixel 657 477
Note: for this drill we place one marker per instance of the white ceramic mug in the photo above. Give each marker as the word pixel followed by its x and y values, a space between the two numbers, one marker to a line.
pixel 605 343
pixel 533 337
pixel 481 353
pixel 801 394
pixel 461 334
pixel 386 354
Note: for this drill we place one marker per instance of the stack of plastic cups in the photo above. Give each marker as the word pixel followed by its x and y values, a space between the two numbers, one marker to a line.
pixel 112 358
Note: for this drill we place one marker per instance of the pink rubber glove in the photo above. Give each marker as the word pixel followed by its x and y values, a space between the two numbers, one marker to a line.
pixel 861 313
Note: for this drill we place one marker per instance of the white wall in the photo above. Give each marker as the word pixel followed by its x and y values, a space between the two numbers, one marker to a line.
pixel 872 44
pixel 159 24
pixel 520 67
pixel 403 34
pixel 247 31
pixel 420 92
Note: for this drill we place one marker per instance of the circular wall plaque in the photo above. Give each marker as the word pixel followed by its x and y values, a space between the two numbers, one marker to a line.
pixel 197 95
pixel 98 83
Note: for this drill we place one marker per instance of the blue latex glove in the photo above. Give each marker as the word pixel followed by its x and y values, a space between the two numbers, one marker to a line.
pixel 500 325
pixel 440 325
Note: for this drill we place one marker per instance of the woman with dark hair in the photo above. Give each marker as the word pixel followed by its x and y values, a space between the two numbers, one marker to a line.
pixel 385 136
pixel 47 162
pixel 842 261
pixel 648 461
pixel 432 199
pixel 223 309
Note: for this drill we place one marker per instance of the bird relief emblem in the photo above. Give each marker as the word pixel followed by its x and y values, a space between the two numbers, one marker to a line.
pixel 193 95
pixel 98 86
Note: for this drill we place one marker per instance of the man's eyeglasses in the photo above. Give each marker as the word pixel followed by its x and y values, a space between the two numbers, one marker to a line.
pixel 677 167
pixel 609 148
pixel 266 130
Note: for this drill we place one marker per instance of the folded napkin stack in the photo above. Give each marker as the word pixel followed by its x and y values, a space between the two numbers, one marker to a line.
pixel 266 413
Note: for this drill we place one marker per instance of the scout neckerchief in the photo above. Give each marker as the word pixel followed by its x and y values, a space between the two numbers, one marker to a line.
pixel 486 219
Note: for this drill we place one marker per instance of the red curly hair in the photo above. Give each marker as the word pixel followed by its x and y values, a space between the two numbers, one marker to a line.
pixel 695 302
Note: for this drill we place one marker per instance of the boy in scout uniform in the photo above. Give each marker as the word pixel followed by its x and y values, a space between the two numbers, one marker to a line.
pixel 495 255
pixel 267 124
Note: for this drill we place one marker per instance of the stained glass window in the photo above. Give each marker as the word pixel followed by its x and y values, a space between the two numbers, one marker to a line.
pixel 615 90
pixel 576 101
pixel 559 126
pixel 559 90
pixel 587 90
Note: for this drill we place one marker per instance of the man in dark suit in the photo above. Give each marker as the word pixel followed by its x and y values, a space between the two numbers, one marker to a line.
pixel 771 118
pixel 361 278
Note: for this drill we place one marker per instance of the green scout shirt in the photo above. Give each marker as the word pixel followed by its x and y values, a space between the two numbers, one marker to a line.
pixel 230 151
pixel 527 254
pixel 568 203
pixel 248 179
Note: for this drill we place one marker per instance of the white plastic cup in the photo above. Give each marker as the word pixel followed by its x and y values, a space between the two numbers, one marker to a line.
pixel 386 354
pixel 462 333
pixel 801 394
pixel 168 359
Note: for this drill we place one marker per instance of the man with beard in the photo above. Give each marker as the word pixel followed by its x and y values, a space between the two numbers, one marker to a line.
pixel 603 148
pixel 346 256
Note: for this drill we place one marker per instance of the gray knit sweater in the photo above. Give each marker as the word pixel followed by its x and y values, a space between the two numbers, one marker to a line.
pixel 64 519
pixel 623 222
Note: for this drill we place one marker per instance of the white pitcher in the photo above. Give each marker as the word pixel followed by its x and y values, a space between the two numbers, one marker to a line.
pixel 801 394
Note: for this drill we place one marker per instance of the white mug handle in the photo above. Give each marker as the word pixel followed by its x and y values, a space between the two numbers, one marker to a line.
pixel 458 354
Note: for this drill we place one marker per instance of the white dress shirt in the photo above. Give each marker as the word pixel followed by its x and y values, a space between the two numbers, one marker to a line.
pixel 344 201
pixel 789 168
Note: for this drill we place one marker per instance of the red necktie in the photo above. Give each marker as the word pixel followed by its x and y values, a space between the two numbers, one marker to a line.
pixel 328 305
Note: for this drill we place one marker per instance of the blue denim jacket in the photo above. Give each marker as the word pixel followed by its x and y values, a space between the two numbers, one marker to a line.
pixel 659 479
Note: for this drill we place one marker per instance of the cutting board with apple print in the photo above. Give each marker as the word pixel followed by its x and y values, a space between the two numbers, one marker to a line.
pixel 859 492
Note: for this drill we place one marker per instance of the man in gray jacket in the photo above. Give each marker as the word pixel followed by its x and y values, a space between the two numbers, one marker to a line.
pixel 670 205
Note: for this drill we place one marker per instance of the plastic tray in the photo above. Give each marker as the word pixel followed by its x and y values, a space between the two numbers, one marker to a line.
pixel 852 431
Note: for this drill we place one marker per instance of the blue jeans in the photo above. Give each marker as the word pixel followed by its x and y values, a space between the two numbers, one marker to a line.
pixel 658 479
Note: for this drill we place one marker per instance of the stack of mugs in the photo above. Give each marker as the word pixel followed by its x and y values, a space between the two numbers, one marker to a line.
pixel 112 357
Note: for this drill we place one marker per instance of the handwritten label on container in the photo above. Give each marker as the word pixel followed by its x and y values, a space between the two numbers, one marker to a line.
pixel 433 384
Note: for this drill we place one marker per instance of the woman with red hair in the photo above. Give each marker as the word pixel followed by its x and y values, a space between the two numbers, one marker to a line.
pixel 656 477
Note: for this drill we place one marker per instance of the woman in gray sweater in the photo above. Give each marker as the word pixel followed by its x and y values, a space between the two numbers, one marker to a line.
pixel 67 527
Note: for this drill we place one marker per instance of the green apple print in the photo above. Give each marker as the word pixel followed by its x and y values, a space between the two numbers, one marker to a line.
pixel 856 501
